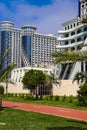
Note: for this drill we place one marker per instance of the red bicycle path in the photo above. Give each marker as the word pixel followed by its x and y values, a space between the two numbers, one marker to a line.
pixel 50 110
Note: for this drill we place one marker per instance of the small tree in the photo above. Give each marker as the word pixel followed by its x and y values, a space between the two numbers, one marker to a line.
pixel 33 79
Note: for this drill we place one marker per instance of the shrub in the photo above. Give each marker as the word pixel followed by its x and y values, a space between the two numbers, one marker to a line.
pixel 1 90
pixel 56 98
pixel 28 96
pixel 64 98
pixel 50 97
pixel 82 95
pixel 70 99
pixel 15 95
pixel 46 97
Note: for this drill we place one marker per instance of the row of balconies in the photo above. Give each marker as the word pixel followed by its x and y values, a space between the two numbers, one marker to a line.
pixel 76 32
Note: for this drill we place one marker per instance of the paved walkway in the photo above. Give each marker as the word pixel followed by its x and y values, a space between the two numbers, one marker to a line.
pixel 57 111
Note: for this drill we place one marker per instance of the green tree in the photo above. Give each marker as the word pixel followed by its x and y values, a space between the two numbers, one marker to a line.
pixel 33 79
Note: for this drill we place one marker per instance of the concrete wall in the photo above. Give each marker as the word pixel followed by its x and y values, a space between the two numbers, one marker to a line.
pixel 66 88
pixel 15 88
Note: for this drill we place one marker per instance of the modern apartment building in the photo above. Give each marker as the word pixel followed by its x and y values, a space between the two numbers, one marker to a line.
pixel 37 47
pixel 27 47
pixel 10 38
pixel 83 10
pixel 73 37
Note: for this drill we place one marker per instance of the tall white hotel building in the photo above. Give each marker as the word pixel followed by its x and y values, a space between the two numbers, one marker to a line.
pixel 72 37
pixel 27 47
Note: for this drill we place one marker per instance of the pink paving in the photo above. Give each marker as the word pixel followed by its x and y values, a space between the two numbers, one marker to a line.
pixel 57 111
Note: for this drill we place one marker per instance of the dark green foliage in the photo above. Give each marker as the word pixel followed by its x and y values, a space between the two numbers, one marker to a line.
pixel 33 79
pixel 56 98
pixel 1 90
pixel 46 97
pixel 15 95
pixel 82 95
pixel 81 78
pixel 50 97
pixel 64 98
pixel 71 99
pixel 28 97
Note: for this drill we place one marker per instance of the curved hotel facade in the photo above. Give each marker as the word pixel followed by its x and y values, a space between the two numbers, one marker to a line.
pixel 72 38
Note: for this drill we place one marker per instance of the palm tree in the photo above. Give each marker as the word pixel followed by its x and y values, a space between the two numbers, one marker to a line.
pixel 72 57
pixel 81 78
pixel 69 56
pixel 4 72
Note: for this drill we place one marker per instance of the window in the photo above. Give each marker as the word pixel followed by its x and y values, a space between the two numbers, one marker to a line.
pixel 72 41
pixel 85 29
pixel 79 39
pixel 72 33
pixel 79 31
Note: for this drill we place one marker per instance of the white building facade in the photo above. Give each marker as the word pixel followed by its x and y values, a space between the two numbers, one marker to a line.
pixel 73 37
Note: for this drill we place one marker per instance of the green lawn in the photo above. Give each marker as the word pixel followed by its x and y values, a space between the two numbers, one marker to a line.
pixel 59 103
pixel 22 120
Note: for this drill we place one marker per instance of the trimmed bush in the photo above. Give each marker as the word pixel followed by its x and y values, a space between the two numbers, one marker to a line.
pixel 82 95
pixel 64 98
pixel 1 90
pixel 46 97
pixel 50 97
pixel 56 98
pixel 28 96
pixel 71 99
pixel 15 95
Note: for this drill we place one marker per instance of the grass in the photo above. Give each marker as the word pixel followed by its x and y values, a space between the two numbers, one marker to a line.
pixel 23 120
pixel 59 103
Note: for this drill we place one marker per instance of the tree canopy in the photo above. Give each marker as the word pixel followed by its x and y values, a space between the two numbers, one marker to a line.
pixel 33 78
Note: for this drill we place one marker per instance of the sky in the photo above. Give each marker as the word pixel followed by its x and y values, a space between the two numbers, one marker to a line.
pixel 46 15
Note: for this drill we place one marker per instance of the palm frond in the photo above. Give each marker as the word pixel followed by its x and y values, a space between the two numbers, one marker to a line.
pixel 69 56
pixel 3 57
pixel 6 71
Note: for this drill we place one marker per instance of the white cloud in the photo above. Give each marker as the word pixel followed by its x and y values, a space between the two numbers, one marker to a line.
pixel 48 19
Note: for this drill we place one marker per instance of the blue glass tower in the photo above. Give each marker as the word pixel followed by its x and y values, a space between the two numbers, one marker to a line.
pixel 10 38
pixel 27 43
pixel 6 36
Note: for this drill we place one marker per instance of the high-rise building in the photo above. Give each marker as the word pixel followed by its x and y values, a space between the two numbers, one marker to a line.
pixel 27 47
pixel 73 37
pixel 37 47
pixel 10 38
pixel 83 10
